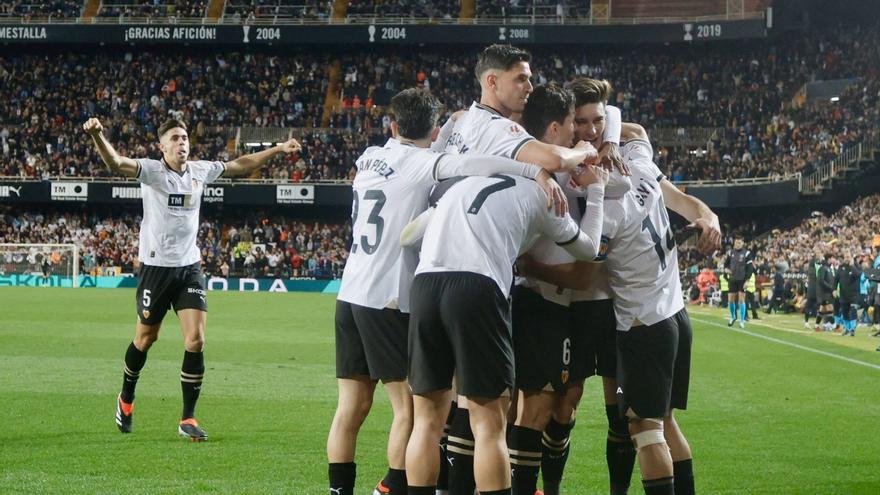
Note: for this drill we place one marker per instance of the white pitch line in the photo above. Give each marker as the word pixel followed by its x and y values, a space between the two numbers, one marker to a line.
pixel 790 344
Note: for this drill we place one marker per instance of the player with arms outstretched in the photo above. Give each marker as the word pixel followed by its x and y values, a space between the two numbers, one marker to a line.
pixel 170 273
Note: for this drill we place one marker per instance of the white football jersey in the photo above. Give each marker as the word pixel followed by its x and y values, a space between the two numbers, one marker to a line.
pixel 482 224
pixel 390 189
pixel 600 287
pixel 483 130
pixel 548 252
pixel 639 246
pixel 171 210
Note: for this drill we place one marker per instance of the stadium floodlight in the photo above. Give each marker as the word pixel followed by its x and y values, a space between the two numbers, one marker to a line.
pixel 835 99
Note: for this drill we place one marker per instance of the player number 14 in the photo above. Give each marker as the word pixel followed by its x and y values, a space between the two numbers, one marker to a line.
pixel 658 242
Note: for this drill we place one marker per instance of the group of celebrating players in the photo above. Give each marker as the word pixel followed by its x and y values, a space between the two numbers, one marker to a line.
pixel 499 261
pixel 496 264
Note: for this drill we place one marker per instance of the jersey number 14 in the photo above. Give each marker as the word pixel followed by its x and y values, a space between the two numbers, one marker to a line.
pixel 648 225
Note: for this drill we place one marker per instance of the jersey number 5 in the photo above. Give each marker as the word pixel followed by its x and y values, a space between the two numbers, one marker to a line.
pixel 506 183
pixel 373 218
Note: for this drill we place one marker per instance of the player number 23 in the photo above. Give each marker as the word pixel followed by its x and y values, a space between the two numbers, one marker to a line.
pixel 373 218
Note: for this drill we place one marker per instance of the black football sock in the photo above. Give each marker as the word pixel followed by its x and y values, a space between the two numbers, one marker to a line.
pixel 524 445
pixel 395 480
pixel 659 486
pixel 342 476
pixel 554 449
pixel 131 370
pixel 191 374
pixel 460 453
pixel 683 472
pixel 619 451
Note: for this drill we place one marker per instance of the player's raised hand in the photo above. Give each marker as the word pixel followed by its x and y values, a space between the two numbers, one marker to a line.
pixel 290 146
pixel 556 199
pixel 592 155
pixel 93 126
pixel 592 174
pixel 710 238
pixel 609 157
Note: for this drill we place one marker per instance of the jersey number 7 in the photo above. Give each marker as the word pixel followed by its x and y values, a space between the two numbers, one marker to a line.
pixel 506 183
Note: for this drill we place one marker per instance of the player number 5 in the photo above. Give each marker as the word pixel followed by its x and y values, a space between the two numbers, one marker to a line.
pixel 146 298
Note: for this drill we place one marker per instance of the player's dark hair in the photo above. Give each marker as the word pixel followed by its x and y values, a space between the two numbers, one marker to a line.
pixel 588 90
pixel 416 112
pixel 170 124
pixel 500 57
pixel 548 103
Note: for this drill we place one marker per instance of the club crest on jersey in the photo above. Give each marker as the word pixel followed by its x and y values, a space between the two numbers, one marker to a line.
pixel 146 313
pixel 515 130
pixel 603 249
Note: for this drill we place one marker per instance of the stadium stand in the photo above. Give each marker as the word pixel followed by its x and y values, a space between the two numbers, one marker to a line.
pixel 46 9
pixel 262 245
pixel 153 8
pixel 249 10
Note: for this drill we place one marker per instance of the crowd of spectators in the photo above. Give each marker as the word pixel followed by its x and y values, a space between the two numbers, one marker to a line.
pixel 441 9
pixel 41 9
pixel 561 9
pixel 851 232
pixel 153 8
pixel 262 246
pixel 747 91
pixel 46 98
pixel 250 10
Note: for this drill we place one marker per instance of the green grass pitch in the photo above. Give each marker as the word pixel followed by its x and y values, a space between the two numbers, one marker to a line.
pixel 774 411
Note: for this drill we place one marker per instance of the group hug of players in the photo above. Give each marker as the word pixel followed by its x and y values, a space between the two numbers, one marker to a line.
pixel 498 262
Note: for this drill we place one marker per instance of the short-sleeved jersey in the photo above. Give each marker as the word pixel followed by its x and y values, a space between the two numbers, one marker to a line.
pixel 482 224
pixel 639 247
pixel 171 210
pixel 483 130
pixel 390 189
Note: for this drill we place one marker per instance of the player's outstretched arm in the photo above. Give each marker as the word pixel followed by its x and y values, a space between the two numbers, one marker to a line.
pixel 247 164
pixel 120 165
pixel 696 212
pixel 557 158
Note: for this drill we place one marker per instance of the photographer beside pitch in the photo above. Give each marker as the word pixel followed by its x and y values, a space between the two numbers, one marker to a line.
pixel 170 273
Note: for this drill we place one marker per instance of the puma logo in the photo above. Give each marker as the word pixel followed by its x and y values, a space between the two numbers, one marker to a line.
pixel 449 460
pixel 337 491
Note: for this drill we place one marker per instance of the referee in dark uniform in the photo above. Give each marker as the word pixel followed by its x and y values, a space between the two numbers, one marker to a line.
pixel 738 268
